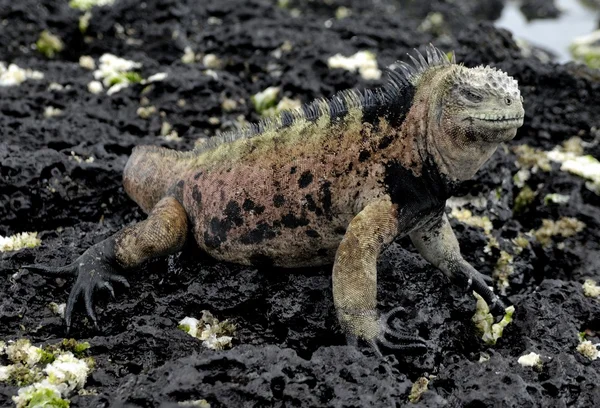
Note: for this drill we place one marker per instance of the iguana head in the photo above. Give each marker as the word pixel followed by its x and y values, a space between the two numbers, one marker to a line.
pixel 470 111
pixel 482 104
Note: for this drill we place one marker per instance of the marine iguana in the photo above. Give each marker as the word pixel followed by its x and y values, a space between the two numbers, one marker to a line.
pixel 333 182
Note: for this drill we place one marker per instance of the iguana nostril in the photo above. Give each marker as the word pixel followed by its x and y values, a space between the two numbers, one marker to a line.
pixel 508 101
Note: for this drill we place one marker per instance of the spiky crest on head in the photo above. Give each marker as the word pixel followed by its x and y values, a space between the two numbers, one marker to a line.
pixel 488 80
pixel 404 71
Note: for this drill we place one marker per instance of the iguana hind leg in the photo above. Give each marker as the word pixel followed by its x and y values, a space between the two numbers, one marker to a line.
pixel 162 233
pixel 355 278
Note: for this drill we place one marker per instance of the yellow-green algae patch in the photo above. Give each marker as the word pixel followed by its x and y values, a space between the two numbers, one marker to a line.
pixel 19 241
pixel 48 375
pixel 569 155
pixel 484 321
pixel 466 216
pixel 524 199
pixel 265 99
pixel 591 288
pixel 503 269
pixel 49 44
pixel 418 389
pixel 564 227
pixel 588 349
pixel 88 4
pixel 214 334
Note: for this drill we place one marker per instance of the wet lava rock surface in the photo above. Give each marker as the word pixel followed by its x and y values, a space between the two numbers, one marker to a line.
pixel 288 349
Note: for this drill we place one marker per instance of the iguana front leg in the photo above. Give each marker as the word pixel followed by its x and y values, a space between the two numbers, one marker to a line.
pixel 437 243
pixel 355 277
pixel 162 233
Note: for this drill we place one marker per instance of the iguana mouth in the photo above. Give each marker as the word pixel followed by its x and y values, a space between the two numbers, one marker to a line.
pixel 496 118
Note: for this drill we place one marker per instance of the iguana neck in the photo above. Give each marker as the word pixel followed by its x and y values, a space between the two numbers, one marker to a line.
pixel 412 149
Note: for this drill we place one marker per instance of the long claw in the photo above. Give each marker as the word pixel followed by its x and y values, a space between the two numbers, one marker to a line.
pixel 73 296
pixel 496 305
pixel 107 285
pixel 120 279
pixel 375 347
pixel 94 270
pixel 67 270
pixel 401 346
pixel 395 339
pixel 89 305
pixel 401 336
pixel 386 317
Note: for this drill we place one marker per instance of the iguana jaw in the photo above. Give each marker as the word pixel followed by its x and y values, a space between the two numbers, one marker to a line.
pixel 497 121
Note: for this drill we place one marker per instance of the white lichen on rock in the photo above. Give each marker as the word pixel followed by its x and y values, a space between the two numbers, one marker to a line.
pixel 87 62
pixel 556 198
pixel 588 349
pixel 591 288
pixel 211 61
pixel 569 155
pixel 67 371
pixel 116 73
pixel 466 217
pixel 195 403
pixel 46 376
pixel 95 87
pixel 532 159
pixel 22 351
pixel 168 133
pixel 79 159
pixel 188 55
pixel 19 241
pixel 52 112
pixel 521 177
pixel 484 321
pixel 88 4
pixel 364 62
pixel 342 13
pixel 58 309
pixel 159 76
pixel 40 394
pixel 531 360
pixel 214 334
pixel 265 99
pixel 145 112
pixel 584 166
pixel 285 104
pixel 14 75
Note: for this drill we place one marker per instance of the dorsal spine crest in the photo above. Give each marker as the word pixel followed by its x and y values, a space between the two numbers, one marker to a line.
pixel 392 100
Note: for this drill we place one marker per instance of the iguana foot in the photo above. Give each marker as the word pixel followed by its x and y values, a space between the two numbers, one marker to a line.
pixel 378 332
pixel 393 338
pixel 480 285
pixel 94 271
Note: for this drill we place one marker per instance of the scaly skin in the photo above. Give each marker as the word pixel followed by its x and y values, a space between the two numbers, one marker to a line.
pixel 334 182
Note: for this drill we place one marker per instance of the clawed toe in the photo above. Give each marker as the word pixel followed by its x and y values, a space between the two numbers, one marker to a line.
pixel 498 310
pixel 398 340
pixel 93 272
pixel 67 270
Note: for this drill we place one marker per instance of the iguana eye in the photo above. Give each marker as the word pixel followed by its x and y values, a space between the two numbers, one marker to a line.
pixel 471 96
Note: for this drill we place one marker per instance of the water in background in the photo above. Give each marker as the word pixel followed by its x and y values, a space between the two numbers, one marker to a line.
pixel 552 34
